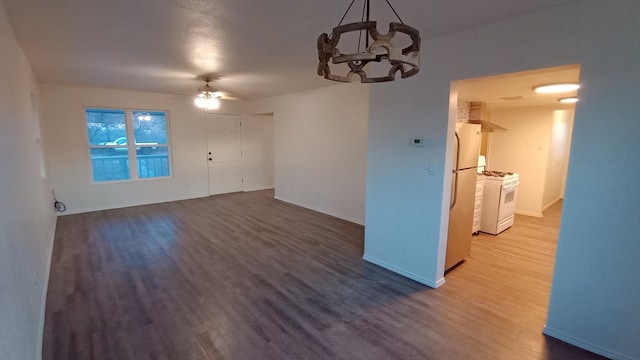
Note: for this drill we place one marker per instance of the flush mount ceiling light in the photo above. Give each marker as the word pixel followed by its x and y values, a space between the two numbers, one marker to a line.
pixel 568 100
pixel 377 48
pixel 556 88
pixel 207 97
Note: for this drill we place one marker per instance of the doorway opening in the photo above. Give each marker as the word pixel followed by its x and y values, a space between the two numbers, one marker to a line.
pixel 517 262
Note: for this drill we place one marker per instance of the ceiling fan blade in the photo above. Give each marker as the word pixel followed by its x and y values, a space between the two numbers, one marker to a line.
pixel 225 95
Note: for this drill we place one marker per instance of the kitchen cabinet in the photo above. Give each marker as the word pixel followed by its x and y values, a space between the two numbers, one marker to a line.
pixel 477 209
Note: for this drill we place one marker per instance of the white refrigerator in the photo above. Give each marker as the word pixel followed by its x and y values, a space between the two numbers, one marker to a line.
pixel 463 189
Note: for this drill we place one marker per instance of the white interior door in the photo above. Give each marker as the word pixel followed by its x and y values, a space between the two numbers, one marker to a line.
pixel 224 153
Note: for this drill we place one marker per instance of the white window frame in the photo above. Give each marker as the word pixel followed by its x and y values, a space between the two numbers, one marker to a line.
pixel 132 154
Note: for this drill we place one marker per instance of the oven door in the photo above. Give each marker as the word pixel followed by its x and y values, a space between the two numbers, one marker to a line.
pixel 508 195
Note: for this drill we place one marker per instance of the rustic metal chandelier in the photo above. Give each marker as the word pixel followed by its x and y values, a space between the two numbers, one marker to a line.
pixel 377 48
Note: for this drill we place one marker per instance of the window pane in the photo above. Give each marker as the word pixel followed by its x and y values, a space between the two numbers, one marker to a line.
pixel 150 127
pixel 154 164
pixel 110 148
pixel 104 126
pixel 110 166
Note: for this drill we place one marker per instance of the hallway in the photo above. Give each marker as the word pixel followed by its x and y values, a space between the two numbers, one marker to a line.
pixel 507 279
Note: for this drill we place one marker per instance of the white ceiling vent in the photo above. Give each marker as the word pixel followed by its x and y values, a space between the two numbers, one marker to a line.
pixel 511 98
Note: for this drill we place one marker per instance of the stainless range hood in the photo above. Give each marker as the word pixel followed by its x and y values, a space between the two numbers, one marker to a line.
pixel 478 115
pixel 487 126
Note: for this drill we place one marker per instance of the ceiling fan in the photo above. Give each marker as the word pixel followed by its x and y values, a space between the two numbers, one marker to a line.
pixel 209 98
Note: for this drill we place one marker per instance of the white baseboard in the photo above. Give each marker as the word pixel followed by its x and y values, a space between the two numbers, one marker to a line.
pixel 551 203
pixel 404 273
pixel 585 345
pixel 527 213
pixel 126 205
pixel 328 212
pixel 538 214
pixel 256 188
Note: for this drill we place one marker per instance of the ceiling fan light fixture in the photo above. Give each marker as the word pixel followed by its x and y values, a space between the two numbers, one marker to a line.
pixel 207 97
pixel 556 88
pixel 207 102
pixel 378 48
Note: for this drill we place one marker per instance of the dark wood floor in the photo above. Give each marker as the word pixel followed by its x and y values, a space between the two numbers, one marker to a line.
pixel 244 276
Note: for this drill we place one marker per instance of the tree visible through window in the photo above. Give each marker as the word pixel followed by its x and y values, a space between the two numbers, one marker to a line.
pixel 112 151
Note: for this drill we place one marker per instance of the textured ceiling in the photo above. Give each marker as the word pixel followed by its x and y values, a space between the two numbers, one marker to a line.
pixel 256 48
pixel 516 89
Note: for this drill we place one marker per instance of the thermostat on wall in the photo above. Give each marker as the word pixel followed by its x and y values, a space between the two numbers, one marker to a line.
pixel 418 142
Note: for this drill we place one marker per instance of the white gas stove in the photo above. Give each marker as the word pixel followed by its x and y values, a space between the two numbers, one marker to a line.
pixel 500 176
pixel 498 201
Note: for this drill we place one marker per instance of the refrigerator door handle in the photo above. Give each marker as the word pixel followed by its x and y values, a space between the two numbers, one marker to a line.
pixel 454 197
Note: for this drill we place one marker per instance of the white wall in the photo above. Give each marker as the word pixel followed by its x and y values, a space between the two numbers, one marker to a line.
pixel 570 118
pixel 558 156
pixel 523 149
pixel 320 144
pixel 404 202
pixel 27 219
pixel 536 147
pixel 595 292
pixel 595 288
pixel 257 152
pixel 64 130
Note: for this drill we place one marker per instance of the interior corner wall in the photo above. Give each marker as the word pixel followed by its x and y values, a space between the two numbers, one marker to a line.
pixel 320 145
pixel 523 149
pixel 595 286
pixel 27 219
pixel 67 152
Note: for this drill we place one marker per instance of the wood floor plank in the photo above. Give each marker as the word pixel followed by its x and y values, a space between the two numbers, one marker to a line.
pixel 245 276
